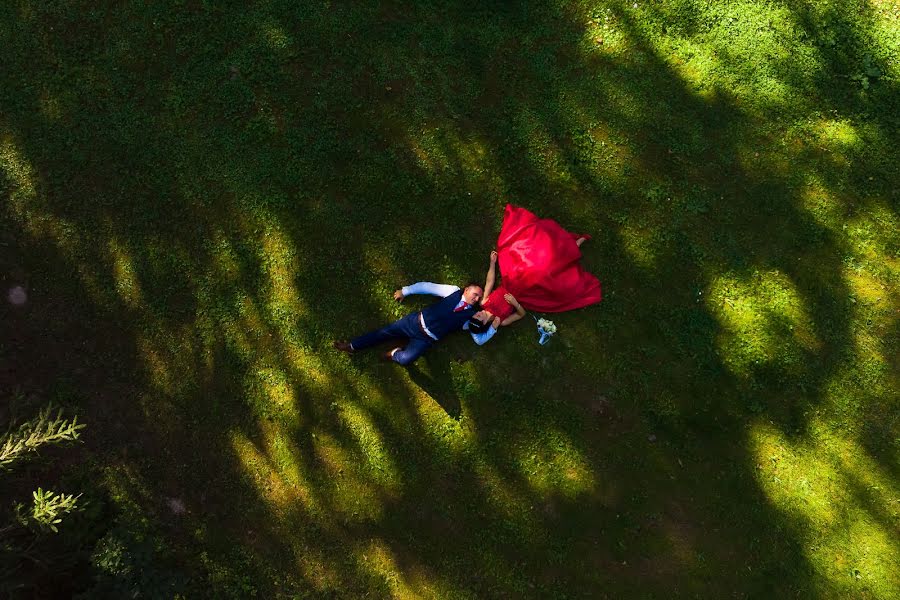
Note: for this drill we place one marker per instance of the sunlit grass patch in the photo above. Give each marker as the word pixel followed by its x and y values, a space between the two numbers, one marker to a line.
pixel 273 393
pixel 275 474
pixel 823 205
pixel 641 243
pixel 447 151
pixel 127 284
pixel 842 505
pixel 764 321
pixel 370 446
pixel 502 496
pixel 19 173
pixel 603 33
pixel 696 63
pixel 402 583
pixel 276 37
pixel 552 465
pixel 355 488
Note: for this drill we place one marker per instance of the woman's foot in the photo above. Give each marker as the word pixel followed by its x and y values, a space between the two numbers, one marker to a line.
pixel 580 241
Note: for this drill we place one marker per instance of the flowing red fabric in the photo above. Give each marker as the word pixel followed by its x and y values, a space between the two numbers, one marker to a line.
pixel 540 264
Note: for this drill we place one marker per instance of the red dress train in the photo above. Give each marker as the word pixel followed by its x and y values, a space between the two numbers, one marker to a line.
pixel 540 264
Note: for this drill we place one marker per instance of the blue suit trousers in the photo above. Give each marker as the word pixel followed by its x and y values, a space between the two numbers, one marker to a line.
pixel 406 328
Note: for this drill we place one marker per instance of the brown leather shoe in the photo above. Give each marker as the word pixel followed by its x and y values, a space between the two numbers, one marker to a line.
pixel 389 355
pixel 343 346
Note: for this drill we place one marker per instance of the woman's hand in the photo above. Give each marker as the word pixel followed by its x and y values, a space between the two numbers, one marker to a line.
pixel 398 295
pixel 496 323
pixel 511 299
pixel 493 256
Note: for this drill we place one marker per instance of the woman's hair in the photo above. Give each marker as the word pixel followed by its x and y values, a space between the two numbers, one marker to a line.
pixel 476 326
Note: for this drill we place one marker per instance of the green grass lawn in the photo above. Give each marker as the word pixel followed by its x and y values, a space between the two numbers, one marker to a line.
pixel 199 197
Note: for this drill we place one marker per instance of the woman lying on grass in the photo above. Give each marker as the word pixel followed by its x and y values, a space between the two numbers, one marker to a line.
pixel 499 309
pixel 540 263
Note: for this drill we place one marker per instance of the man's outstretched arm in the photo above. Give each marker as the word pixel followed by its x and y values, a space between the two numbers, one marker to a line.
pixel 425 287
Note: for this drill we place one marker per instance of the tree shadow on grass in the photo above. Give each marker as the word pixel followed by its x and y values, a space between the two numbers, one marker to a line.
pixel 282 184
pixel 435 379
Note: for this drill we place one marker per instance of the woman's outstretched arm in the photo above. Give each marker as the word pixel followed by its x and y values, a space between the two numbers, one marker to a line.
pixel 491 278
pixel 520 312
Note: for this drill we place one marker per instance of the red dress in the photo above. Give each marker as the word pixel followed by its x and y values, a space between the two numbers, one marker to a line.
pixel 540 264
pixel 497 305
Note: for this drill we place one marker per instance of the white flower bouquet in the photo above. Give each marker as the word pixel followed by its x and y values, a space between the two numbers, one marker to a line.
pixel 546 329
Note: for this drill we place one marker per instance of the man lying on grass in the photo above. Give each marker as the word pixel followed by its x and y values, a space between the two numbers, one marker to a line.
pixel 423 328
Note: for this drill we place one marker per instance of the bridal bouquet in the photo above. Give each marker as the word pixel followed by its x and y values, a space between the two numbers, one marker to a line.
pixel 546 329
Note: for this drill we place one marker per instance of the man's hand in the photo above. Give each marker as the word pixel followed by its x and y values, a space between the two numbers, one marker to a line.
pixel 493 256
pixel 496 323
pixel 398 296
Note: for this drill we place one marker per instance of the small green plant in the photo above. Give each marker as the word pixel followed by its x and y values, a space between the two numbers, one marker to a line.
pixel 27 539
pixel 40 431
pixel 49 508
pixel 869 71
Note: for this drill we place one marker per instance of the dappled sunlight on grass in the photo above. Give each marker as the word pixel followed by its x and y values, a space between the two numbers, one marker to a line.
pixel 696 63
pixel 232 201
pixel 823 205
pixel 156 365
pixel 840 133
pixel 503 497
pixel 280 262
pixel 276 37
pixel 427 147
pixel 874 236
pixel 306 364
pixel 377 559
pixel 553 466
pixel 843 505
pixel 270 389
pixel 20 173
pixel 51 107
pixel 541 148
pixel 641 244
pixel 227 265
pixel 281 484
pixel 243 330
pixel 29 208
pixel 836 142
pixel 371 446
pixel 870 378
pixel 876 296
pixel 764 321
pixel 354 495
pixel 127 284
pixel 602 33
pixel 444 150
